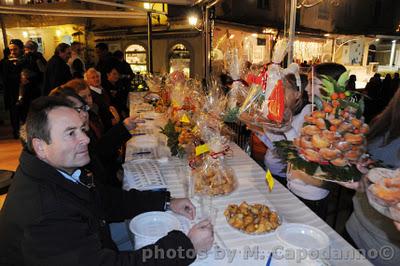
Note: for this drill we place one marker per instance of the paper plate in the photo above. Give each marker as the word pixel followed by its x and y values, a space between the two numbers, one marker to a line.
pixel 375 174
pixel 389 209
pixel 150 226
pixel 303 236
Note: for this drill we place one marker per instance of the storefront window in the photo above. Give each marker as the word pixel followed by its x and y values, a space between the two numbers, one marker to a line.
pixel 179 59
pixel 135 55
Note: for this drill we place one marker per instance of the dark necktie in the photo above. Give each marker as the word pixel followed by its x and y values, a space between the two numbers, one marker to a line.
pixel 86 178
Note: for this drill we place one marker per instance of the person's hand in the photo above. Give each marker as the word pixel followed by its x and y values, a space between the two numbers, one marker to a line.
pixel 131 122
pixel 202 236
pixel 363 183
pixel 365 165
pixel 183 207
pixel 397 225
pixel 351 185
pixel 116 118
pixel 255 129
pixel 359 186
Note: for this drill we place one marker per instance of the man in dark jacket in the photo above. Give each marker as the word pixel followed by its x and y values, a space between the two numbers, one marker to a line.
pixel 76 62
pixel 57 70
pixel 35 63
pixel 100 97
pixel 11 75
pixel 53 216
pixel 105 60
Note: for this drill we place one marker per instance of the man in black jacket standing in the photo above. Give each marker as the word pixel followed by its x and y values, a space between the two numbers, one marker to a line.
pixel 11 75
pixel 53 216
pixel 57 70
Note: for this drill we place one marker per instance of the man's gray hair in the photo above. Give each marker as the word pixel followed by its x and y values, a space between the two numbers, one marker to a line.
pixel 91 70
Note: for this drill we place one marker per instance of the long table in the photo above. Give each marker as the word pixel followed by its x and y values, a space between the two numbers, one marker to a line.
pixel 236 248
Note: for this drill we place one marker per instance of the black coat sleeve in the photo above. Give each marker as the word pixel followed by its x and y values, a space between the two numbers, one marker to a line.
pixel 66 240
pixel 120 204
pixel 111 141
pixel 78 68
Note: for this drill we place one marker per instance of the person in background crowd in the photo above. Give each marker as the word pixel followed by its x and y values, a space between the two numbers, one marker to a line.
pixel 395 83
pixel 372 103
pixel 32 77
pixel 66 213
pixel 82 89
pixel 293 101
pixel 6 53
pixel 386 94
pixel 36 63
pixel 294 84
pixel 28 91
pixel 105 60
pixel 11 76
pixel 369 229
pixel 226 82
pixel 115 89
pixel 76 62
pixel 351 83
pixel 108 114
pixel 57 70
pixel 316 197
pixel 126 73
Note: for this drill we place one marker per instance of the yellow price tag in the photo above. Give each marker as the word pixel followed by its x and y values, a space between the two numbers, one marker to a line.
pixel 174 104
pixel 185 119
pixel 202 149
pixel 270 180
pixel 195 130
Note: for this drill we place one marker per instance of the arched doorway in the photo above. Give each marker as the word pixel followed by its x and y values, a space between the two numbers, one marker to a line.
pixel 135 55
pixel 179 59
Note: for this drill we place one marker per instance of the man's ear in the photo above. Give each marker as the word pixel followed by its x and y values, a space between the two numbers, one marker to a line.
pixel 39 146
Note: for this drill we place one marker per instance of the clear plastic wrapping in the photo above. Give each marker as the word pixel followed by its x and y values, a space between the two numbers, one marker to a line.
pixel 238 90
pixel 212 176
pixel 264 105
pixel 383 191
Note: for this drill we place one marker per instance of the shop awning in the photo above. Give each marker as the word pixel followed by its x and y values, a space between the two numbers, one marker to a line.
pixel 22 10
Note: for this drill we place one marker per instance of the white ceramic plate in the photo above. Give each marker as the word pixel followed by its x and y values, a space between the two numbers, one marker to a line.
pixel 151 226
pixel 302 236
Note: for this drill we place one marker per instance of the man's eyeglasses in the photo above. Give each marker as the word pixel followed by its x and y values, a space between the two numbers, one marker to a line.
pixel 84 108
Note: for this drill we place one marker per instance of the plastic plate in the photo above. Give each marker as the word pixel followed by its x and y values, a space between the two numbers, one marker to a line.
pixel 302 236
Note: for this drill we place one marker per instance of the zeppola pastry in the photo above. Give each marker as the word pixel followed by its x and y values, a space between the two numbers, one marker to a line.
pixel 252 218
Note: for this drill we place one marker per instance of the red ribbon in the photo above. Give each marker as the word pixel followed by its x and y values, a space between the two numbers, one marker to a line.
pixel 264 78
pixel 214 155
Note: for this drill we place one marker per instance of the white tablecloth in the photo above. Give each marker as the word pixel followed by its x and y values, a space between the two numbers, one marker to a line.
pixel 234 246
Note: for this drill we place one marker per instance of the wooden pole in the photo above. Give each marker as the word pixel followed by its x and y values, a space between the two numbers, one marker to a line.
pixel 149 44
pixel 3 31
pixel 292 30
